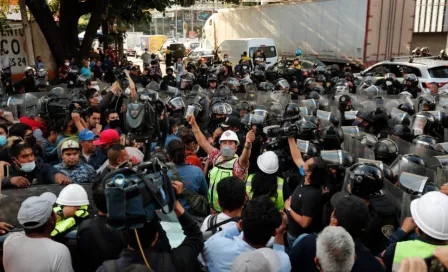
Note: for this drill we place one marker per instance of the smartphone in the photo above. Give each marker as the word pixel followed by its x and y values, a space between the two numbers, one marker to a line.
pixel 434 264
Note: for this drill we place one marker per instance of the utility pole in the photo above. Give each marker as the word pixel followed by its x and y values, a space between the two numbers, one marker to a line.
pixel 27 30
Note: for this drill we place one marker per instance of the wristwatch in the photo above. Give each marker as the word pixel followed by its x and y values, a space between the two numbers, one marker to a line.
pixel 288 211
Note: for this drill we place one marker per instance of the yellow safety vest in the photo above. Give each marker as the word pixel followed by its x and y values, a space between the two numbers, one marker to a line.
pixel 220 171
pixel 298 67
pixel 68 223
pixel 279 201
pixel 414 248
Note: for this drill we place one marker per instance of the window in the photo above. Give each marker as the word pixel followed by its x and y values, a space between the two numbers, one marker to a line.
pixel 439 72
pixel 400 70
pixel 307 65
pixel 379 70
pixel 269 51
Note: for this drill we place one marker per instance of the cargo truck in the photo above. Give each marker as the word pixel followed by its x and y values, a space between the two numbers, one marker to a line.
pixel 338 31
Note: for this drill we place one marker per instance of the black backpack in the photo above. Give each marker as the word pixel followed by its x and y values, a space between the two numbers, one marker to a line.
pixel 214 227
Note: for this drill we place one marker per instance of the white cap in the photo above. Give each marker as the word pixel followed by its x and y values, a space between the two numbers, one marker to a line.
pixel 430 214
pixel 73 195
pixel 35 210
pixel 268 162
pixel 69 144
pixel 229 135
pixel 260 260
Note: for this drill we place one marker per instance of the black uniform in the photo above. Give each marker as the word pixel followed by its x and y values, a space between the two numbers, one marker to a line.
pixel 383 222
pixel 394 89
pixel 168 80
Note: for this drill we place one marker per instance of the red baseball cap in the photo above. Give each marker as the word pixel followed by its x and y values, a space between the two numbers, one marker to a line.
pixel 107 136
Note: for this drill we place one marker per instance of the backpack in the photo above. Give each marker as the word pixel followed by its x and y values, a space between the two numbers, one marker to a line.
pixel 214 227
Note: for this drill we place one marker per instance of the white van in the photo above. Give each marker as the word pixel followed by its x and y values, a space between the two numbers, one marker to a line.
pixel 235 48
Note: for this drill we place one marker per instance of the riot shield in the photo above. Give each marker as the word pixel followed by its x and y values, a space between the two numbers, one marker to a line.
pixel 412 183
pixel 404 147
pixel 401 164
pixel 303 145
pixel 309 103
pixel 324 116
pixel 394 194
pixel 397 116
pixel 306 111
pixel 11 199
pixel 356 148
pixel 441 147
pixel 332 157
pixel 425 153
pixel 442 176
pixel 352 131
pixel 371 91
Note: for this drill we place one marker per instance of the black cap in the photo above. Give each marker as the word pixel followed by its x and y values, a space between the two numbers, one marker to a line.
pixel 351 212
pixel 232 121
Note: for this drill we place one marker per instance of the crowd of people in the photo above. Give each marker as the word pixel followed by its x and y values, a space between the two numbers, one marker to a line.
pixel 242 206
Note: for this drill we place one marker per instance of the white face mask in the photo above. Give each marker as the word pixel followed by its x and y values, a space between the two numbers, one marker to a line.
pixel 226 59
pixel 127 91
pixel 96 87
pixel 99 99
pixel 28 167
pixel 67 63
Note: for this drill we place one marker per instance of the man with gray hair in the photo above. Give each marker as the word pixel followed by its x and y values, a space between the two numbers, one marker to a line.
pixel 335 250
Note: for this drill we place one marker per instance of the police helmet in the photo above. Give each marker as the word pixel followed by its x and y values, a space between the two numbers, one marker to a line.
pixel 292 109
pixel 407 107
pixel 366 180
pixel 403 132
pixel 332 137
pixel 368 140
pixel 345 103
pixel 426 103
pixel 320 70
pixel 203 68
pixel 306 130
pixel 212 77
pixel 233 84
pixel 412 78
pixel 386 151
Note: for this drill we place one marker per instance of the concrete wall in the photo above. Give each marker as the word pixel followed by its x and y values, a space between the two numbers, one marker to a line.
pixel 435 41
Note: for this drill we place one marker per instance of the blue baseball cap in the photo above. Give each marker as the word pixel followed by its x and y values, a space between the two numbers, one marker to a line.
pixel 86 135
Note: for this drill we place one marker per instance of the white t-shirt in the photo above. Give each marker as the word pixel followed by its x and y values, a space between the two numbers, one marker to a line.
pixel 221 217
pixel 22 253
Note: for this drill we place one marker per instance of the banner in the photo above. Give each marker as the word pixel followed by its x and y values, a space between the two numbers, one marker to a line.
pixel 12 41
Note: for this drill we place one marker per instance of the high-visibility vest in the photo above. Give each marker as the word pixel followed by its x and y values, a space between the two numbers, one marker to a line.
pixel 220 171
pixel 68 223
pixel 413 248
pixel 279 201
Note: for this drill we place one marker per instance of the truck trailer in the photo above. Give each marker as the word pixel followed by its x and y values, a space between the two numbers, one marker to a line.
pixel 335 31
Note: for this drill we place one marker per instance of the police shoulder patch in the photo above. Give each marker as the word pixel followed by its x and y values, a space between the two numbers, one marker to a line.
pixel 387 230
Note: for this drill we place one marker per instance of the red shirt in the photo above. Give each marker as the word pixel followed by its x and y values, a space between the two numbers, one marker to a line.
pixel 193 159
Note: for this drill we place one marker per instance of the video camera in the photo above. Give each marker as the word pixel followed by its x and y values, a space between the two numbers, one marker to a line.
pixel 288 126
pixel 118 74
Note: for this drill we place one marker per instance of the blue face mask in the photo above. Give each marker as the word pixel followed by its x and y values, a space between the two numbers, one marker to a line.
pixel 302 171
pixel 2 140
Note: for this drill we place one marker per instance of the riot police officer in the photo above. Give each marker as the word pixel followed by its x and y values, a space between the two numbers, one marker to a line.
pixel 411 84
pixel 366 181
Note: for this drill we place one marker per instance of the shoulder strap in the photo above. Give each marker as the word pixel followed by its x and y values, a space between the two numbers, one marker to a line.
pixel 110 266
pixel 173 169
pixel 214 226
pixel 224 161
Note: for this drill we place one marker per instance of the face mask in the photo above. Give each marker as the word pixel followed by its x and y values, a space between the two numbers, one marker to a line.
pixel 389 83
pixel 127 91
pixel 2 140
pixel 227 151
pixel 67 63
pixel 99 99
pixel 96 87
pixel 114 123
pixel 197 149
pixel 226 59
pixel 28 167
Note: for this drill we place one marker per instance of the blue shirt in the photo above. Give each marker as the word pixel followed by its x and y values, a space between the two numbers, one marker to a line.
pixel 193 179
pixel 86 72
pixel 81 173
pixel 95 160
pixel 222 249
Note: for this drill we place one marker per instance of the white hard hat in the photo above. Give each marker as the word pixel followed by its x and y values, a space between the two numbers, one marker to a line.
pixel 430 214
pixel 268 162
pixel 229 135
pixel 73 195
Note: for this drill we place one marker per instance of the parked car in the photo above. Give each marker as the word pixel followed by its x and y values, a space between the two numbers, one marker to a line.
pixel 197 54
pixel 190 46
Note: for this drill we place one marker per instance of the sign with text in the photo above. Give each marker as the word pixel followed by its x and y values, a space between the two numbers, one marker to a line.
pixel 12 41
